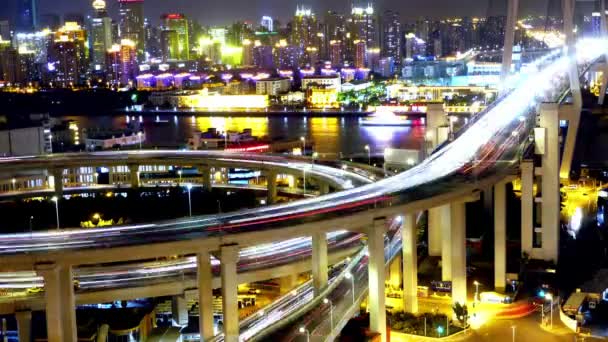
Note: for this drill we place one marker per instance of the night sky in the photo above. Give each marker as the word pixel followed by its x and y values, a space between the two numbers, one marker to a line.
pixel 220 12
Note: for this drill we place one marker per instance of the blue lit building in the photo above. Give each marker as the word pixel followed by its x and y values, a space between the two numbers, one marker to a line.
pixel 27 15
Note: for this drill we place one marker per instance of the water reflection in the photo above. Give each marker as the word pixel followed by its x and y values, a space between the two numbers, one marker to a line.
pixel 331 135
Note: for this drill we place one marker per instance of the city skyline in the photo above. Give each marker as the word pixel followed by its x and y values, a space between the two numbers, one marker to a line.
pixel 214 13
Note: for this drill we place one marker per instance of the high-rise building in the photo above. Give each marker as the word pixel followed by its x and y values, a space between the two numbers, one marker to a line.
pixel 237 32
pixel 5 30
pixel 122 62
pixel 100 36
pixel 152 38
pixel 360 55
pixel 174 37
pixel 336 52
pixel 304 31
pixel 35 43
pixel 596 24
pixel 248 47
pixel 9 63
pixel 131 25
pixel 262 56
pixel 267 23
pixel 287 56
pixel 67 55
pixel 27 15
pixel 363 25
pixel 391 36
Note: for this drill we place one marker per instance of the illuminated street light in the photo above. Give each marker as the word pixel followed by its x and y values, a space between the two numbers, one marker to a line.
pixel 189 187
pixel 139 134
pixel 369 156
pixel 549 297
pixel 476 283
pixel 303 330
pixel 56 200
pixel 303 140
pixel 179 173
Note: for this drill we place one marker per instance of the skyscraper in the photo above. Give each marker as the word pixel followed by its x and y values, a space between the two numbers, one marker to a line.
pixel 101 36
pixel 175 45
pixel 27 15
pixel 363 25
pixel 67 55
pixel 131 25
pixel 304 31
pixel 267 23
pixel 391 36
pixel 122 62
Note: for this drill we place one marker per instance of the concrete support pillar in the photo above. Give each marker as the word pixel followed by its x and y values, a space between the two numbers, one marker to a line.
pixel 319 261
pixel 459 258
pixel 395 272
pixel 549 121
pixel 24 325
pixel 205 295
pixel 434 231
pixel 205 171
pixel 179 310
pixel 102 333
pixel 507 55
pixel 58 181
pixel 410 263
pixel 435 118
pixel 500 236
pixel 60 304
pixel 271 194
pixel 572 114
pixel 376 269
pixel 527 206
pixel 324 188
pixel 446 242
pixel 134 176
pixel 229 255
pixel 575 87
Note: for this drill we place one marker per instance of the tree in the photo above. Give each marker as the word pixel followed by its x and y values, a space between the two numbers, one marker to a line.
pixel 461 312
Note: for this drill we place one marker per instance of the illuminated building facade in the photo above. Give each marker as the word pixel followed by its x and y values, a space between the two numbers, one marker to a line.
pixel 131 24
pixel 363 25
pixel 68 55
pixel 322 97
pixel 304 32
pixel 101 36
pixel 35 43
pixel 360 56
pixel 334 30
pixel 10 70
pixel 336 52
pixel 122 62
pixel 248 52
pixel 329 82
pixel 287 56
pixel 176 45
pixel 267 23
pixel 262 56
pixel 391 36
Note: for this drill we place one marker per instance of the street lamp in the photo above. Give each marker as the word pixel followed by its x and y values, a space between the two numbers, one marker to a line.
pixel 314 155
pixel 31 219
pixel 331 312
pixel 189 187
pixel 14 181
pixel 56 200
pixel 304 182
pixel 303 330
pixel 476 283
pixel 513 328
pixel 179 173
pixel 369 156
pixel 139 134
pixel 352 283
pixel 51 143
pixel 549 297
pixel 303 140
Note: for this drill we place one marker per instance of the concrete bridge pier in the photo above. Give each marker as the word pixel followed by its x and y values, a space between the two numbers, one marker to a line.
pixel 205 295
pixel 434 231
pixel 57 181
pixel 458 258
pixel 319 261
pixel 24 325
pixel 229 255
pixel 446 242
pixel 410 263
pixel 179 310
pixel 500 236
pixel 527 206
pixel 288 283
pixel 376 277
pixel 134 175
pixel 271 194
pixel 60 303
pixel 549 126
